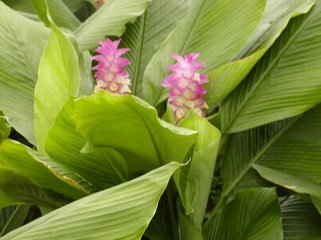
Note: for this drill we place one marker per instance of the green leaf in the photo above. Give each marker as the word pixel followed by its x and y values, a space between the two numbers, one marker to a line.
pixel 200 172
pixel 20 52
pixel 29 164
pixel 19 5
pixel 59 12
pixel 292 182
pixel 253 214
pixel 224 79
pixel 130 126
pixel 277 15
pixel 291 147
pixel 4 128
pixel 188 231
pixel 300 219
pixel 109 20
pixel 285 83
pixel 145 36
pixel 216 29
pixel 130 205
pixel 15 189
pixel 59 78
pixel 103 167
pixel 12 218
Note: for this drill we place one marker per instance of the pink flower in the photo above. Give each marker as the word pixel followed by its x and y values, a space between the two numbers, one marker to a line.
pixel 110 73
pixel 186 85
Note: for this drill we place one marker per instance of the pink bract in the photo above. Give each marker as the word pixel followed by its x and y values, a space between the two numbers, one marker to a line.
pixel 186 85
pixel 109 72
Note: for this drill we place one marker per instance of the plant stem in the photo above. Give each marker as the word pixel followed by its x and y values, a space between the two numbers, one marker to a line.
pixel 172 211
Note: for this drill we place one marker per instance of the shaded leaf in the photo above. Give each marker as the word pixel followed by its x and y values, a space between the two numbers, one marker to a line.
pixel 12 218
pixel 28 163
pixel 131 205
pixel 300 220
pixel 15 189
pixel 20 53
pixel 290 147
pixel 255 215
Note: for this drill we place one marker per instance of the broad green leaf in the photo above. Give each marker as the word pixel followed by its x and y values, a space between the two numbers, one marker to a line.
pixel 59 78
pixel 29 164
pixel 4 128
pixel 15 189
pixel 19 5
pixel 145 36
pixel 103 167
pixel 276 16
pixel 224 79
pixel 200 172
pixel 130 126
pixel 188 231
pixel 20 52
pixel 300 219
pixel 59 12
pixel 216 29
pixel 109 20
pixel 253 214
pixel 292 182
pixel 12 218
pixel 285 83
pixel 290 147
pixel 121 212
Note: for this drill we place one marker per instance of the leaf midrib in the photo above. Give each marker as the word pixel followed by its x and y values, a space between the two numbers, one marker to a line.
pixel 258 156
pixel 266 72
pixel 140 51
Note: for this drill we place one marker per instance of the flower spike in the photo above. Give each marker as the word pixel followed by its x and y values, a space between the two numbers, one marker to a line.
pixel 109 72
pixel 186 85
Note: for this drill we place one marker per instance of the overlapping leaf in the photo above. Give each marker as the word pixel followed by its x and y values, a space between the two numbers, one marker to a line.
pixel 130 126
pixel 198 178
pixel 59 12
pixel 285 83
pixel 145 36
pixel 20 51
pixel 103 167
pixel 29 164
pixel 121 212
pixel 253 214
pixel 289 150
pixel 109 20
pixel 277 15
pixel 12 218
pixel 15 189
pixel 216 29
pixel 300 219
pixel 59 78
